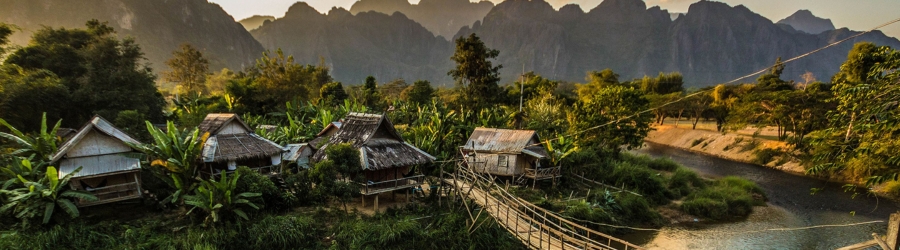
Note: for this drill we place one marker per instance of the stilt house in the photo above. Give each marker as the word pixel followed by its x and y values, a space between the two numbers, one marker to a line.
pixel 506 152
pixel 109 169
pixel 232 143
pixel 386 158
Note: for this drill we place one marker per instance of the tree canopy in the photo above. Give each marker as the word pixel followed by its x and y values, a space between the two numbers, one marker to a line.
pixel 474 72
pixel 99 72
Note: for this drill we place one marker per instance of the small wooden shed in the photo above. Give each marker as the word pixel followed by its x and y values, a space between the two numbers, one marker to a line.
pixel 232 143
pixel 109 169
pixel 298 154
pixel 326 133
pixel 506 152
pixel 386 158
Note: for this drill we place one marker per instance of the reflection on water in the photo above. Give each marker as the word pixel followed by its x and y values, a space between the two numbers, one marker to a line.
pixel 790 205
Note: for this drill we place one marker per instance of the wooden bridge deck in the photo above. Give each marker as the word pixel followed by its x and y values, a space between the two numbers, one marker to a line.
pixel 532 225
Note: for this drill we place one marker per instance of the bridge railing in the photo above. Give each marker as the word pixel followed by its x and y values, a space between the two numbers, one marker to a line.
pixel 549 224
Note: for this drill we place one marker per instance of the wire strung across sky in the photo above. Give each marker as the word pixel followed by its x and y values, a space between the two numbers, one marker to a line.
pixel 729 82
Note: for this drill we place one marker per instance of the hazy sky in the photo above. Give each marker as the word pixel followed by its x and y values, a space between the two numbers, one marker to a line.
pixel 854 14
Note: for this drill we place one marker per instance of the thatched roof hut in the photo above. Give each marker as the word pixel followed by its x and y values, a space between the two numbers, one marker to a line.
pixel 379 144
pixel 231 140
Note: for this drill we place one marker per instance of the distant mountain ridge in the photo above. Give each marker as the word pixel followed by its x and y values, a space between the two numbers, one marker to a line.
pixel 804 20
pixel 711 43
pixel 441 17
pixel 160 27
pixel 355 46
pixel 255 21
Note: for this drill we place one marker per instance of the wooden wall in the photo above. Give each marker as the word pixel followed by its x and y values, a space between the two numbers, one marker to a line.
pixel 233 127
pixel 97 143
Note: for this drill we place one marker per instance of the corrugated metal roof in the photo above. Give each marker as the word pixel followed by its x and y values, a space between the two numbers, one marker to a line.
pixel 295 151
pixel 99 124
pixel 98 165
pixel 380 145
pixel 495 140
pixel 214 122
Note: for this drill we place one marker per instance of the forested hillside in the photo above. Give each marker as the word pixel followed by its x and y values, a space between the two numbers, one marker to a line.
pixel 159 27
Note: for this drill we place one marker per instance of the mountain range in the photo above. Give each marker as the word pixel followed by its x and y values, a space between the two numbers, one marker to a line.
pixel 711 43
pixel 160 27
pixel 441 17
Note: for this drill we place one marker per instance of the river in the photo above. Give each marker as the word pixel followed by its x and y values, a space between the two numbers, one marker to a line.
pixel 790 205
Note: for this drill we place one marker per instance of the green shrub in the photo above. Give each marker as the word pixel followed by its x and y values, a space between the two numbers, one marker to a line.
pixel 645 181
pixel 662 164
pixel 637 209
pixel 705 207
pixel 272 198
pixel 764 156
pixel 685 181
pixel 729 196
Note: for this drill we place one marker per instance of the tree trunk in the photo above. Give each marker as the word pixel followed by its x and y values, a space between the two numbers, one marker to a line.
pixel 679 117
pixel 849 127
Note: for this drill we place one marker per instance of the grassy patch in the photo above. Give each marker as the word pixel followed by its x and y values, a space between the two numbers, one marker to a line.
pixel 728 197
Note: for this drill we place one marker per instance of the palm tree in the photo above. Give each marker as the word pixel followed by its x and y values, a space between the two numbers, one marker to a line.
pixel 44 197
pixel 41 145
pixel 218 198
pixel 174 156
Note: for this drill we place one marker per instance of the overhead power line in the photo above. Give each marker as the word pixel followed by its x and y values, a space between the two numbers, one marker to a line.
pixel 729 82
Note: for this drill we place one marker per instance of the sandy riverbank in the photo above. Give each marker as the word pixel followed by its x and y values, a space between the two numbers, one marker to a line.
pixel 732 146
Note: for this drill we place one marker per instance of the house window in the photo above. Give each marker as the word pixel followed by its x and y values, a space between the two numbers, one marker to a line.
pixel 502 161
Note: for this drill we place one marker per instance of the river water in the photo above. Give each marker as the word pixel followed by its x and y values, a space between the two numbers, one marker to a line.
pixel 790 205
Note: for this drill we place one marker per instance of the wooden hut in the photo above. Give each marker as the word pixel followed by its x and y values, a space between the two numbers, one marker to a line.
pixel 298 155
pixel 385 157
pixel 506 152
pixel 326 133
pixel 232 143
pixel 109 169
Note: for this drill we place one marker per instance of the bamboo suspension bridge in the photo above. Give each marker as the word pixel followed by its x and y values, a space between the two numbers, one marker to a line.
pixel 536 227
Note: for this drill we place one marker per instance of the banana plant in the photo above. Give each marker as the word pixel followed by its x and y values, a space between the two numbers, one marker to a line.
pixel 173 156
pixel 560 148
pixel 218 198
pixel 43 197
pixel 21 167
pixel 41 145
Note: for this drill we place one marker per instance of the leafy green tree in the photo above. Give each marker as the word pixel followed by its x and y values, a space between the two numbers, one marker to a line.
pixel 103 74
pixel 596 81
pixel 333 94
pixel 535 86
pixel 41 198
pixel 39 146
pixel 419 93
pixel 220 199
pixel 174 156
pixel 861 140
pixel 189 69
pixel 335 176
pixel 5 32
pixel 24 95
pixel 276 80
pixel 663 83
pixel 611 119
pixel 371 95
pixel 475 74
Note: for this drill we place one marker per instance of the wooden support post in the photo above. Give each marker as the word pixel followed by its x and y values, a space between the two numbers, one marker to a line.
pixel 893 232
pixel 880 242
pixel 376 203
pixel 363 197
